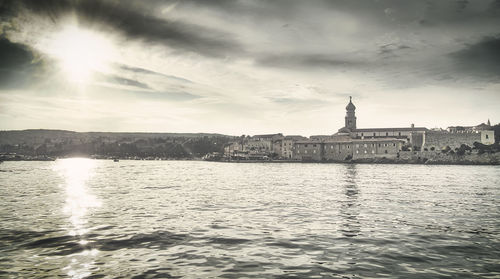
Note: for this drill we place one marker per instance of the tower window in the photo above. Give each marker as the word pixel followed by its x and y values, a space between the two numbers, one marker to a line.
pixel 486 136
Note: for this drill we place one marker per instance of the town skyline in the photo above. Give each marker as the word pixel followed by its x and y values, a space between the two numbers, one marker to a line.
pixel 247 67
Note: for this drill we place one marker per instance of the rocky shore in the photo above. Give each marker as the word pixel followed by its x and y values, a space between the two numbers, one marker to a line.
pixel 437 158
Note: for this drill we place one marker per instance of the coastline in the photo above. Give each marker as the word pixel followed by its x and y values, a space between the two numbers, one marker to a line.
pixel 415 158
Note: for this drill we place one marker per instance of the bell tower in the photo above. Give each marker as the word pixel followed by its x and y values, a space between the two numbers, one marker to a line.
pixel 350 117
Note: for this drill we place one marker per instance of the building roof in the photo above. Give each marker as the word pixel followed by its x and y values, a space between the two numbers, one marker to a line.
pixel 365 140
pixel 350 106
pixel 351 140
pixel 294 137
pixel 482 126
pixel 267 135
pixel 406 129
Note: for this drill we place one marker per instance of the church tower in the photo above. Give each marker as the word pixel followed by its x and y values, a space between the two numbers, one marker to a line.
pixel 350 117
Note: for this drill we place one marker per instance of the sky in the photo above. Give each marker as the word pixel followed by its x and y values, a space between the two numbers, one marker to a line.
pixel 247 66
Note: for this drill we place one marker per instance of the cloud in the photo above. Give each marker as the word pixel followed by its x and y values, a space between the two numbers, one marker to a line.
pixel 128 82
pixel 175 96
pixel 302 61
pixel 481 59
pixel 136 23
pixel 17 64
pixel 149 72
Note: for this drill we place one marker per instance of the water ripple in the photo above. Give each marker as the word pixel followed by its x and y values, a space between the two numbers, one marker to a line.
pixel 147 219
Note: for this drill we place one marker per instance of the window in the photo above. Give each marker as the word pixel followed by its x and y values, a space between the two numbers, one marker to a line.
pixel 373 151
pixel 385 151
pixel 486 136
pixel 314 145
pixel 357 151
pixel 331 146
pixel 386 133
pixel 306 151
pixel 373 134
pixel 365 151
pixel 379 145
pixel 314 151
pixel 393 144
pixel 399 134
pixel 362 134
pixel 305 145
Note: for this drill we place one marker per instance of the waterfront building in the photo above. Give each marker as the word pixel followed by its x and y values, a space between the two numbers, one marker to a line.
pixel 263 143
pixel 287 145
pixel 351 142
pixel 412 135
pixel 340 150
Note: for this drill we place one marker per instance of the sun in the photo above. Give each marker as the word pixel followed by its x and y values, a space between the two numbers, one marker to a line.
pixel 80 53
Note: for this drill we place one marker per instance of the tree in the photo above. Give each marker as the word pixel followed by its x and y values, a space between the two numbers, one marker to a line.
pixel 496 128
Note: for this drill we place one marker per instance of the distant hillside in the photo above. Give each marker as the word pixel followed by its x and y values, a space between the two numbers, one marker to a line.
pixel 39 136
pixel 60 143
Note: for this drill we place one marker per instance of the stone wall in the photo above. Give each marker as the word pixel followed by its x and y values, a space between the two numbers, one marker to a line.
pixel 440 139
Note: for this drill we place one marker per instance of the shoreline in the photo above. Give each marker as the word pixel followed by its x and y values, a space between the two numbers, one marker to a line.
pixel 469 160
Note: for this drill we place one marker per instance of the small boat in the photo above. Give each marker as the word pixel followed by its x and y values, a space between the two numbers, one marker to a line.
pixel 116 160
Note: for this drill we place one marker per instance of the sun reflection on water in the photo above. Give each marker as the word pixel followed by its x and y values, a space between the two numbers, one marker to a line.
pixel 76 173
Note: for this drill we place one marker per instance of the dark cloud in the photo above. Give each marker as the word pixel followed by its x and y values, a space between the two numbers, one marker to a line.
pixel 128 82
pixel 149 72
pixel 137 21
pixel 139 70
pixel 304 61
pixel 481 59
pixel 392 50
pixel 17 64
pixel 390 13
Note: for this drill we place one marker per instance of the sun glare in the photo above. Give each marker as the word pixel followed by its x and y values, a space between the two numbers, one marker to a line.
pixel 76 173
pixel 81 53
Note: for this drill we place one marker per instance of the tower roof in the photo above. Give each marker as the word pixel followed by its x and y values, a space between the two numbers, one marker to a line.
pixel 350 106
